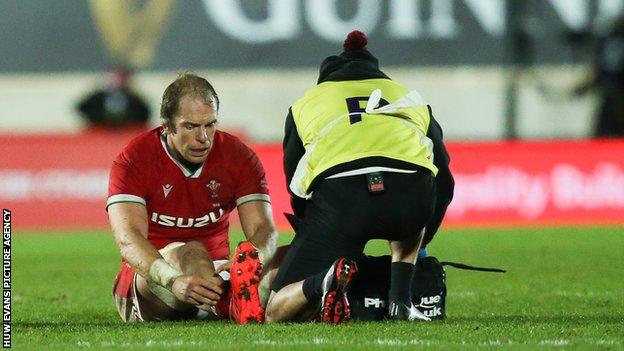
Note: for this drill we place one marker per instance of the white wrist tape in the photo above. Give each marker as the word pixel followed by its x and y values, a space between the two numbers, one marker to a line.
pixel 163 274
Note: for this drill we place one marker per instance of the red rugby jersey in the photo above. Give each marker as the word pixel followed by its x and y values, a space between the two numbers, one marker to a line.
pixel 184 205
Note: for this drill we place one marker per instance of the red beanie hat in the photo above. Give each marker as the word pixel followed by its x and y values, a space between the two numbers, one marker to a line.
pixel 356 40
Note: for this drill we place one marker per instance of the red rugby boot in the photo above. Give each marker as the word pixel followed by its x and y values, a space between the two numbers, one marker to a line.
pixel 245 276
pixel 334 304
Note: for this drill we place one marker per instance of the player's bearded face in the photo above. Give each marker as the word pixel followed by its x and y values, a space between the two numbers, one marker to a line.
pixel 195 127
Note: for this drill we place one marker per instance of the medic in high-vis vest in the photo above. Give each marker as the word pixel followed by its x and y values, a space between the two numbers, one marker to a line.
pixel 364 159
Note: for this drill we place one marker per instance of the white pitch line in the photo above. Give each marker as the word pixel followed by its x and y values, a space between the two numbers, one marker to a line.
pixel 148 343
pixel 559 342
pixel 377 342
pixel 422 342
pixel 589 293
pixel 608 342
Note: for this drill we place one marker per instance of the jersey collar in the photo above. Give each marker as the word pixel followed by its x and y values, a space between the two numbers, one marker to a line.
pixel 187 173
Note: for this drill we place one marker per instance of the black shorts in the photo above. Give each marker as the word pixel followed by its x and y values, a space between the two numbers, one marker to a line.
pixel 343 216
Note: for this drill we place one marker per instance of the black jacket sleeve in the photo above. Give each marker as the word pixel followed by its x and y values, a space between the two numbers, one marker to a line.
pixel 444 182
pixel 293 152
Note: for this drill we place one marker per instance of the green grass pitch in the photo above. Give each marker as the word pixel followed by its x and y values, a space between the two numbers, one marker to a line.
pixel 564 290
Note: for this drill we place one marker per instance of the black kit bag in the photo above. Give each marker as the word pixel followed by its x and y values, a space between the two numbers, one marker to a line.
pixel 368 294
pixel 429 290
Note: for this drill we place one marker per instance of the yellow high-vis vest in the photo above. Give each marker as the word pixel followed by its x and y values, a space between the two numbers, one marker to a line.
pixel 337 124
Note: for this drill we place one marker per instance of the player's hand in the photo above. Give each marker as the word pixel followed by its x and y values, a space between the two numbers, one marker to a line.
pixel 198 291
pixel 218 281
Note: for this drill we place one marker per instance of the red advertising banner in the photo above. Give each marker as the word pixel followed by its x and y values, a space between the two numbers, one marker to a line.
pixel 60 181
pixel 534 183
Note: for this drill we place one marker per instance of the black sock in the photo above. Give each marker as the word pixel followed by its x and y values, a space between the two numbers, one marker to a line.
pixel 401 282
pixel 313 286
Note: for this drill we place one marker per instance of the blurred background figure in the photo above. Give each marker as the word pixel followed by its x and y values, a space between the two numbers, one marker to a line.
pixel 116 105
pixel 607 79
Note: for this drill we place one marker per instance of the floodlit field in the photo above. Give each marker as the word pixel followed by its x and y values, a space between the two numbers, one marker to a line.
pixel 564 290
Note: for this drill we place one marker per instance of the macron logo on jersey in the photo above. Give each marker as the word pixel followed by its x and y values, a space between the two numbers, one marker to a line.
pixel 180 222
pixel 167 189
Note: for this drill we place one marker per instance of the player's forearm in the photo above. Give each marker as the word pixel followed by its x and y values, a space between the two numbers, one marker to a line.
pixel 264 238
pixel 128 221
pixel 136 250
pixel 145 259
pixel 257 221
